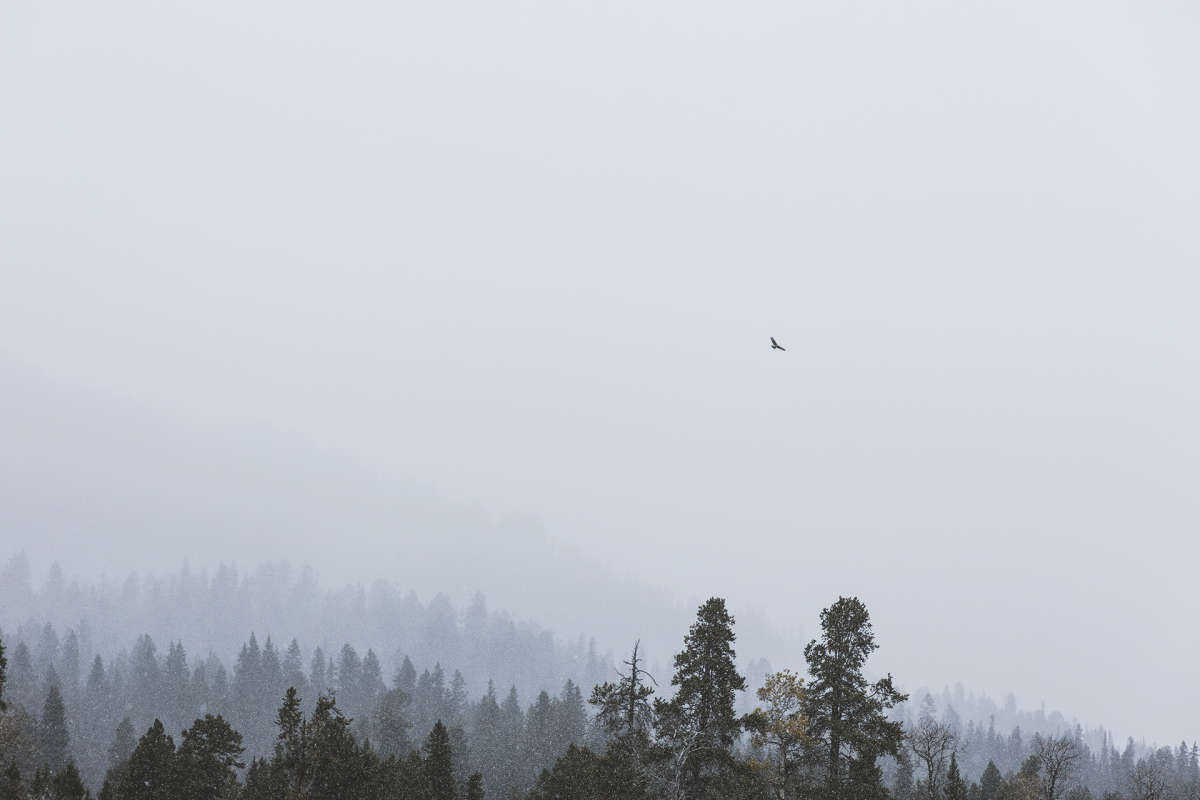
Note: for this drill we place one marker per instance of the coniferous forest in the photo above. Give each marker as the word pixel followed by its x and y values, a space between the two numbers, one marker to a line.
pixel 599 400
pixel 283 721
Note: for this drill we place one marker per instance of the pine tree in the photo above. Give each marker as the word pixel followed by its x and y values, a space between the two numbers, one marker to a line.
pixel 848 729
pixel 53 739
pixel 439 764
pixel 150 773
pixel 208 759
pixel 700 719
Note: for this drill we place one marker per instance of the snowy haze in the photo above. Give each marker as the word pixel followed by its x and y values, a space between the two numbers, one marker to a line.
pixel 291 280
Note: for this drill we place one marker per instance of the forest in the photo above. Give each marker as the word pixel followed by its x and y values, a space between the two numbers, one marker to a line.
pixel 278 725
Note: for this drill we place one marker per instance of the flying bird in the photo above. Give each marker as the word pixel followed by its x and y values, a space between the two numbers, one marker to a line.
pixel 775 345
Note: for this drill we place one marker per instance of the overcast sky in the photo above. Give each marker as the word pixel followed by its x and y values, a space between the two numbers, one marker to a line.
pixel 528 255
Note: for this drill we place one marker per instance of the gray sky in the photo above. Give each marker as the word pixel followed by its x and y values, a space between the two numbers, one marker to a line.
pixel 527 256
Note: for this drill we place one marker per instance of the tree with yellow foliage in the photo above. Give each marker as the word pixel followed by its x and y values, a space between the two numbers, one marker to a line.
pixel 779 726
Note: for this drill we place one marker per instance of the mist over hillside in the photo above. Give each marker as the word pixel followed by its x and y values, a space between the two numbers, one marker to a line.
pixel 214 615
pixel 170 648
pixel 104 484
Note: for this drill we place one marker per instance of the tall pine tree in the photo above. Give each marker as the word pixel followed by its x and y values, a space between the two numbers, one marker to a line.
pixel 848 727
pixel 700 719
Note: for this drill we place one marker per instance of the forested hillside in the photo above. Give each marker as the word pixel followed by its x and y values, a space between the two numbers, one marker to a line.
pixel 277 724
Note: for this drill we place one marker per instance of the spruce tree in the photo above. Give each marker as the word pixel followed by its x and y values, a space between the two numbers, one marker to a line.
pixel 393 724
pixel 903 789
pixel 848 727
pixel 146 677
pixel 265 781
pixel 349 679
pixel 68 785
pixel 53 739
pixel 290 743
pixel 486 754
pixel 371 680
pixel 11 785
pixel 575 776
pixel 271 676
pixel 317 675
pixel 123 743
pixel 293 668
pixel 510 776
pixel 22 680
pixel 538 751
pixel 956 788
pixel 570 718
pixel 40 786
pixel 330 751
pixel 439 764
pixel 406 677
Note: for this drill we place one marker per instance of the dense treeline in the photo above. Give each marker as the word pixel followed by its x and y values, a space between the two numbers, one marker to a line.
pixel 831 734
pixel 496 730
pixel 214 611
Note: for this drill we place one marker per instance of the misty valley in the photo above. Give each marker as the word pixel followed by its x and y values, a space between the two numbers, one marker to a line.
pixel 374 694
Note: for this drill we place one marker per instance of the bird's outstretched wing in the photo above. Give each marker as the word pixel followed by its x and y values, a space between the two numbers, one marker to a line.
pixel 776 345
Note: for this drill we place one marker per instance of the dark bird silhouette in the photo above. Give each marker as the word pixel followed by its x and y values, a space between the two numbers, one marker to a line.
pixel 775 345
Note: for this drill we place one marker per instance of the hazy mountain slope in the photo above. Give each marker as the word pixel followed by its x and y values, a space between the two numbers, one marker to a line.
pixel 104 483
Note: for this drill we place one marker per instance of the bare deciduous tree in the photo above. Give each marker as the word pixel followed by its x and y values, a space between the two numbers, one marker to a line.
pixel 1148 780
pixel 932 742
pixel 1060 759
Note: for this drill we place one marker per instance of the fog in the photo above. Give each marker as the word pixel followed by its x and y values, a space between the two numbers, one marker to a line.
pixel 477 296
